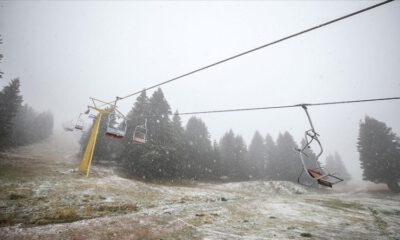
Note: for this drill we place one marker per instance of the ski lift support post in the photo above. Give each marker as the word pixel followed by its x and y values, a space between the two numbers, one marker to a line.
pixel 325 179
pixel 86 162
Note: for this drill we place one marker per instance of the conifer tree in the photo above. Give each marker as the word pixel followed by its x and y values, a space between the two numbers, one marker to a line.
pixel 379 150
pixel 229 162
pixel 136 117
pixel 158 158
pixel 233 152
pixel 198 149
pixel 271 157
pixel 289 164
pixel 240 151
pixel 217 172
pixel 179 146
pixel 334 164
pixel 257 157
pixel 10 102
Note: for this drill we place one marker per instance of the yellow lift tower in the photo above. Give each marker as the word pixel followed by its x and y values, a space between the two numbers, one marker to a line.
pixel 84 167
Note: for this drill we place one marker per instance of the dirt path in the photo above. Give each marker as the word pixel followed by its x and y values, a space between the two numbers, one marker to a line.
pixel 42 196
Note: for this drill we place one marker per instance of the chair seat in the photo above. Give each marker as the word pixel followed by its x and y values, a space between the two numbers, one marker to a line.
pixel 318 175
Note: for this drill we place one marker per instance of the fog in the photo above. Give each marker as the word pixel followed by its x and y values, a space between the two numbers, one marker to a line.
pixel 65 52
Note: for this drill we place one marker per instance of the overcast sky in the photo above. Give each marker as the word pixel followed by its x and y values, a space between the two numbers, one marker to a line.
pixel 65 52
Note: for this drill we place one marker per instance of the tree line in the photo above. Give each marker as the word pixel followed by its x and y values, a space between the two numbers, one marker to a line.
pixel 20 124
pixel 173 151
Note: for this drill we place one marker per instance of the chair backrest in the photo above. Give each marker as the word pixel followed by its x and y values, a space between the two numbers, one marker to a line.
pixel 140 134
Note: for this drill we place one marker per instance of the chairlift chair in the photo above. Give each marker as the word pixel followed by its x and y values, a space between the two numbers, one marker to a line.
pixel 140 133
pixel 314 174
pixel 68 126
pixel 117 124
pixel 79 123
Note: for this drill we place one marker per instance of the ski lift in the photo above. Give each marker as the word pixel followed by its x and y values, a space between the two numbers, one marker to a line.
pixel 140 133
pixel 68 126
pixel 80 122
pixel 117 125
pixel 315 174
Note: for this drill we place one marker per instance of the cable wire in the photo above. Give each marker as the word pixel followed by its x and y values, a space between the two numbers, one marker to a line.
pixel 258 48
pixel 284 106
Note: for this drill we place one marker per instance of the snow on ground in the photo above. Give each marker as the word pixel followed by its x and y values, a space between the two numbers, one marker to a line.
pixel 42 196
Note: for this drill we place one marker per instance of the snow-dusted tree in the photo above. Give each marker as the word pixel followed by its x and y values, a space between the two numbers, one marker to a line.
pixel 271 157
pixel 288 164
pixel 197 150
pixel 10 102
pixel 257 157
pixel 158 160
pixel 179 145
pixel 132 153
pixel 233 150
pixel 334 164
pixel 240 156
pixel 379 150
pixel 217 171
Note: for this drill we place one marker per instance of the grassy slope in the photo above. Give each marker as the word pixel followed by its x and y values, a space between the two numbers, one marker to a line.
pixel 43 196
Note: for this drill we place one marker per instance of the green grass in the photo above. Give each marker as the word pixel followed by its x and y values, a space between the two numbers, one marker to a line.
pixel 341 205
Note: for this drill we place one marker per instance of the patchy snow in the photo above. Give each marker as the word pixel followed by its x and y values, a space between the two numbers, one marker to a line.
pixel 42 196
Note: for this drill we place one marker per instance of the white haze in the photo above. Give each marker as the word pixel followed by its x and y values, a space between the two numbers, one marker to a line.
pixel 65 52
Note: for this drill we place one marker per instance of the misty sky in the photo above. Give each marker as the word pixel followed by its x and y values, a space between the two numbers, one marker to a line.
pixel 65 52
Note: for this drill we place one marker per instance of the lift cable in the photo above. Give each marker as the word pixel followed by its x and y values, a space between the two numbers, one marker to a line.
pixel 258 48
pixel 282 106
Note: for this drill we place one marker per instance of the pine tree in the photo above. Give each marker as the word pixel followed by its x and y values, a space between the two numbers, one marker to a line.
pixel 379 150
pixel 198 149
pixel 179 145
pixel 177 127
pixel 233 153
pixel 289 164
pixel 334 164
pixel 240 152
pixel 217 172
pixel 158 160
pixel 257 157
pixel 10 102
pixel 229 164
pixel 132 153
pixel 271 157
pixel 159 123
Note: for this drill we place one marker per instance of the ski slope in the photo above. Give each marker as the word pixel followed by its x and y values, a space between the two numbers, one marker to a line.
pixel 43 196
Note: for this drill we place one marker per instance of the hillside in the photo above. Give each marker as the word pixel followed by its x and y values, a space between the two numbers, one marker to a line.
pixel 42 196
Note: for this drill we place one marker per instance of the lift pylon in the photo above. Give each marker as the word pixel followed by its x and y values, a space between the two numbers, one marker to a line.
pixel 86 162
pixel 84 167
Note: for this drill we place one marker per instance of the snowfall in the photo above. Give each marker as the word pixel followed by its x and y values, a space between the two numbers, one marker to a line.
pixel 43 196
